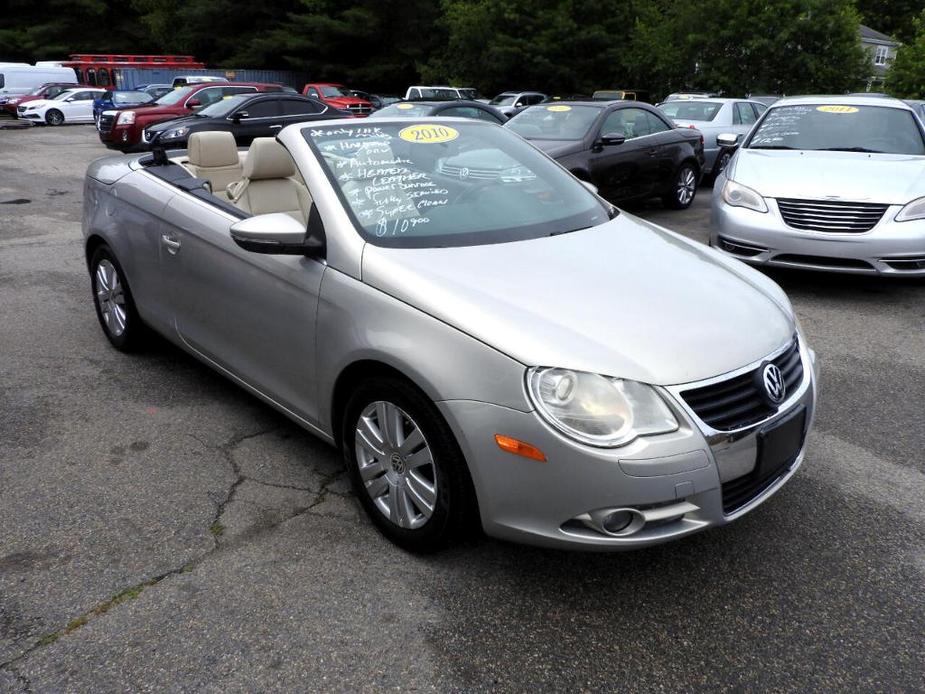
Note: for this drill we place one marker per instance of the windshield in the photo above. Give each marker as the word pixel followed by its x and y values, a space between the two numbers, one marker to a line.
pixel 503 100
pixel 554 122
pixel 224 106
pixel 403 110
pixel 874 129
pixel 430 184
pixel 435 94
pixel 332 90
pixel 175 96
pixel 469 93
pixel 691 110
pixel 130 97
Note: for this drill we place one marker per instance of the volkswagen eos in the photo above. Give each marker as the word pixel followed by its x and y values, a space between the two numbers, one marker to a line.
pixel 494 347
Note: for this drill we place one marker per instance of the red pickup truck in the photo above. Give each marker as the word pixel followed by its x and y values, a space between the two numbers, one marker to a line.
pixel 336 95
pixel 123 129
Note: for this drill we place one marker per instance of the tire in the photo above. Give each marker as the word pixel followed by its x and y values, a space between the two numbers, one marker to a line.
pixel 112 298
pixel 722 161
pixel 54 117
pixel 421 506
pixel 683 188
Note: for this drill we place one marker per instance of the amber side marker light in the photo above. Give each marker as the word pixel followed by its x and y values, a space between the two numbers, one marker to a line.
pixel 511 445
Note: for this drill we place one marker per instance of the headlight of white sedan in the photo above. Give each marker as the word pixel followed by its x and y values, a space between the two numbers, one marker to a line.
pixel 737 195
pixel 914 210
pixel 598 410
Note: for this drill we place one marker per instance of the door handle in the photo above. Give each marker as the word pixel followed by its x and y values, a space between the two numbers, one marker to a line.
pixel 274 127
pixel 172 244
pixel 653 151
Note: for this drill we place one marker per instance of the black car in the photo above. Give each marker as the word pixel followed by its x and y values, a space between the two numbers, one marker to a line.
pixel 245 116
pixel 628 149
pixel 458 108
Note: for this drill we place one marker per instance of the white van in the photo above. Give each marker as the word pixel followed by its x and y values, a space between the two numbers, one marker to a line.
pixel 22 79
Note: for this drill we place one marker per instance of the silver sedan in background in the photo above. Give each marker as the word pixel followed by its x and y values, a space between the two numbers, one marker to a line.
pixel 827 183
pixel 491 347
pixel 713 117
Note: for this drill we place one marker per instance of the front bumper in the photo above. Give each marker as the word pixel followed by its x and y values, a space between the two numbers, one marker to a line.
pixel 763 238
pixel 672 481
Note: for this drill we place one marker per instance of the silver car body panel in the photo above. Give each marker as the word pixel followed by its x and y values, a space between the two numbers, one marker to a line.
pixel 764 238
pixel 626 299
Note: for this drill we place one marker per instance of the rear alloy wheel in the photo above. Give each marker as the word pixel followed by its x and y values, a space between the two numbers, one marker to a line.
pixel 683 190
pixel 54 117
pixel 112 298
pixel 405 465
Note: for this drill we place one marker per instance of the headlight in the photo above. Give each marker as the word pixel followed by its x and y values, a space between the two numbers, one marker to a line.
pixel 737 195
pixel 598 410
pixel 126 118
pixel 174 133
pixel 914 210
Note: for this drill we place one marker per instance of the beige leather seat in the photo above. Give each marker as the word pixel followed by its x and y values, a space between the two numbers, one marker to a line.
pixel 267 185
pixel 213 156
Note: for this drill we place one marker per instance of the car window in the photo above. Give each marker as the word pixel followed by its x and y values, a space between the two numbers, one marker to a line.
pixel 532 99
pixel 461 112
pixel 208 96
pixel 554 122
pixel 759 109
pixel 300 107
pixel 264 108
pixel 85 96
pixel 629 122
pixel 840 127
pixel 691 110
pixel 503 100
pixel 426 184
pixel 656 124
pixel 744 114
pixel 231 91
pixel 175 96
pixel 129 97
pixel 313 92
pixel 487 115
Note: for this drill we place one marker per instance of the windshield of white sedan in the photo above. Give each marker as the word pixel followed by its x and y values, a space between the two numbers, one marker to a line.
pixel 554 122
pixel 437 183
pixel 844 128
pixel 691 110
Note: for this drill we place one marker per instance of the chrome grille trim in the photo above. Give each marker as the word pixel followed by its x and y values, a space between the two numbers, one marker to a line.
pixel 831 216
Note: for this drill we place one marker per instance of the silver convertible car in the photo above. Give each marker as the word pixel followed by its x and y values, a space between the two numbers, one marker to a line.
pixel 827 183
pixel 492 347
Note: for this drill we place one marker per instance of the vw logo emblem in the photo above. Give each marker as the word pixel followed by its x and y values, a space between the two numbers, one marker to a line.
pixel 464 172
pixel 774 384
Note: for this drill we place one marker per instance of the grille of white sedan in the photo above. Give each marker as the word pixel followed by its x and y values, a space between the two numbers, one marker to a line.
pixel 833 216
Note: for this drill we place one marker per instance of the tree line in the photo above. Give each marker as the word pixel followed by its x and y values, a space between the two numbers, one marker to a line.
pixel 558 46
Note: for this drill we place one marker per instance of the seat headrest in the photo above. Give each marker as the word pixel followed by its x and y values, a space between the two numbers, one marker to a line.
pixel 266 159
pixel 213 148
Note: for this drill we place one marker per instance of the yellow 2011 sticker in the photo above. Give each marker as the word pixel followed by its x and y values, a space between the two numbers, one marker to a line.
pixel 559 108
pixel 429 134
pixel 405 107
pixel 837 109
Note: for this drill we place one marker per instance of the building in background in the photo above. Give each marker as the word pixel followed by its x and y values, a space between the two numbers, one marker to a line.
pixel 882 50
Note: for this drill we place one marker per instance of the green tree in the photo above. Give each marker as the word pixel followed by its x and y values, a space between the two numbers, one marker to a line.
pixel 906 76
pixel 892 17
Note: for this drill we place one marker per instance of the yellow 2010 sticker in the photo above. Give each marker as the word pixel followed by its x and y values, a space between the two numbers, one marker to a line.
pixel 427 133
pixel 405 107
pixel 837 109
pixel 559 108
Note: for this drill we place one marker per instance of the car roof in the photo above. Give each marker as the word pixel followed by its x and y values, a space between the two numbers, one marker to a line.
pixel 841 101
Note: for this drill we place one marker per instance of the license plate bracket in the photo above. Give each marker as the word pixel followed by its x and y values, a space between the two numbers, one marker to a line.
pixel 780 442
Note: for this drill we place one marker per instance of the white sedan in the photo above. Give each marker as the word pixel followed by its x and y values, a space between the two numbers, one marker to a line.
pixel 71 106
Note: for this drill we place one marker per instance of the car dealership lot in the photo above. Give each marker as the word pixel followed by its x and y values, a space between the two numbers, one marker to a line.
pixel 159 528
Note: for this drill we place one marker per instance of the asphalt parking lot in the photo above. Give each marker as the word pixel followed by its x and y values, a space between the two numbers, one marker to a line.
pixel 162 530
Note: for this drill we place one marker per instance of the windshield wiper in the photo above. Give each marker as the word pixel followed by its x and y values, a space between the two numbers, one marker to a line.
pixel 851 149
pixel 771 147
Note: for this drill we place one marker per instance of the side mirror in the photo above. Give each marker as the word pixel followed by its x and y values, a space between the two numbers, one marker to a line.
pixel 239 116
pixel 279 234
pixel 590 186
pixel 193 103
pixel 69 99
pixel 727 140
pixel 611 139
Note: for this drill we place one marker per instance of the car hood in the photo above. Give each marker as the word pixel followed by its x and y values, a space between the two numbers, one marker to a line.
pixel 558 148
pixel 893 179
pixel 37 102
pixel 175 123
pixel 344 101
pixel 625 298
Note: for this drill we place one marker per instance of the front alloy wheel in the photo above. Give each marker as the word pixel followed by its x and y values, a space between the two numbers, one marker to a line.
pixel 54 117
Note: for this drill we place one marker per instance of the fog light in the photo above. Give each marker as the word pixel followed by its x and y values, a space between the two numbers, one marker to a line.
pixel 125 136
pixel 617 521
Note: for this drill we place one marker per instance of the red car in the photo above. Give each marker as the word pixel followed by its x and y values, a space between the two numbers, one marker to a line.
pixel 46 91
pixel 336 95
pixel 123 129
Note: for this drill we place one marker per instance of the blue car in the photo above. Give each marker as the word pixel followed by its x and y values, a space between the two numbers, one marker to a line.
pixel 120 99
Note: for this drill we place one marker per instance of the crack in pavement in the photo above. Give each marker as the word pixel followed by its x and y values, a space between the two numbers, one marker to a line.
pixel 132 592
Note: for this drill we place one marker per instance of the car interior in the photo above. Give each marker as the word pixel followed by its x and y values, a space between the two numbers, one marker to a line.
pixel 260 181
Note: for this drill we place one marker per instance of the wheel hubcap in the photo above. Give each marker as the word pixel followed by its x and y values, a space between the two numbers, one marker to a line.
pixel 687 184
pixel 111 298
pixel 396 464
